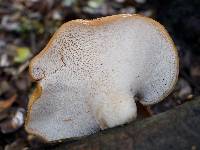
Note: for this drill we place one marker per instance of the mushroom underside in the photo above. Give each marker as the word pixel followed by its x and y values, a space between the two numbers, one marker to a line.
pixel 101 69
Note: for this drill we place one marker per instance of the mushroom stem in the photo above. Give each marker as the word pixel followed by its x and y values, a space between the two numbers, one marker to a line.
pixel 114 108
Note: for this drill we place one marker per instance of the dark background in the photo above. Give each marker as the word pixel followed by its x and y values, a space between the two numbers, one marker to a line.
pixel 27 25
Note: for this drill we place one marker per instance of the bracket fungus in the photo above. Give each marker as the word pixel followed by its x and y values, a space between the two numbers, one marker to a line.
pixel 90 72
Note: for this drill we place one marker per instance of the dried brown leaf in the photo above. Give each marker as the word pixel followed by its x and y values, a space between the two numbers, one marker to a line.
pixel 4 104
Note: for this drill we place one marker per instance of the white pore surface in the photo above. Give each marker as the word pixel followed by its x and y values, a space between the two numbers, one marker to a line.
pixel 92 73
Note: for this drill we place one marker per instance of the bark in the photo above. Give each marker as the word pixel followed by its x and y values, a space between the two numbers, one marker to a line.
pixel 176 129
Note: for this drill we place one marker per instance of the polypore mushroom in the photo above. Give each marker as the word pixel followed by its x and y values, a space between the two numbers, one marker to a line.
pixel 90 72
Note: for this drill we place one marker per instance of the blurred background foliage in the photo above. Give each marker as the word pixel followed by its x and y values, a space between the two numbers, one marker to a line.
pixel 27 25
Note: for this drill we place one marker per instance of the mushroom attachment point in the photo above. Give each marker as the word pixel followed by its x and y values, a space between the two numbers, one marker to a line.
pixel 90 72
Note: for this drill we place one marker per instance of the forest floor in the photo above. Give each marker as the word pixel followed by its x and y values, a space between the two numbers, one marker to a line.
pixel 27 25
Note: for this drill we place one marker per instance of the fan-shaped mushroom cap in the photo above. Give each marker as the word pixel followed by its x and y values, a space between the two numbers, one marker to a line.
pixel 90 72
